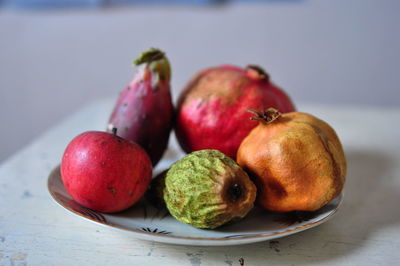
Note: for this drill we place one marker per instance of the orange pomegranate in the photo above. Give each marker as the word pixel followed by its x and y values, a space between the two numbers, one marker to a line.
pixel 295 159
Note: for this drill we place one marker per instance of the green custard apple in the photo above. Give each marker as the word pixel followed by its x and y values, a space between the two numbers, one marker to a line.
pixel 207 189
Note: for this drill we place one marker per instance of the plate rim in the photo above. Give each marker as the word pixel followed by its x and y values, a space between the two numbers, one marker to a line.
pixel 243 239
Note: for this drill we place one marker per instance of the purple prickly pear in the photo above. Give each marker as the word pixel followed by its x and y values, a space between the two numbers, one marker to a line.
pixel 143 112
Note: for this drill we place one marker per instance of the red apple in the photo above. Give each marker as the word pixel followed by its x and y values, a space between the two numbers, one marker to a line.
pixel 105 172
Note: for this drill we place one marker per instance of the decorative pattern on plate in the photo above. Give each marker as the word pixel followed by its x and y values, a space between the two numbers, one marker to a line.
pixel 71 204
pixel 149 230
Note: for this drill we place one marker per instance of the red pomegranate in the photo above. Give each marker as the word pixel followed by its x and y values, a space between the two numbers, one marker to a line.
pixel 212 111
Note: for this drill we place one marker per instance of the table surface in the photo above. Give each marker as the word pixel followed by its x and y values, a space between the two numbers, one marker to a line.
pixel 34 230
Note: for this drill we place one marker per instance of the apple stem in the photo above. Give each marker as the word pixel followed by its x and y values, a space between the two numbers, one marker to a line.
pixel 114 131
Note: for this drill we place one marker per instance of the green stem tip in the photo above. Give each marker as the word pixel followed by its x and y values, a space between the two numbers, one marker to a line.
pixel 156 61
pixel 148 56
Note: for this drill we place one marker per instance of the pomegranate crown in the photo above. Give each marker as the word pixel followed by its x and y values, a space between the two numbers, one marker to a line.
pixel 266 116
pixel 257 72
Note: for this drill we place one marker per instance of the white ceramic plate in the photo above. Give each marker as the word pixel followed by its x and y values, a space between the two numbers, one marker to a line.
pixel 144 221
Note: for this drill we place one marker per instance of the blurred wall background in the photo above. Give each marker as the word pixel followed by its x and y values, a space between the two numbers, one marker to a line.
pixel 55 60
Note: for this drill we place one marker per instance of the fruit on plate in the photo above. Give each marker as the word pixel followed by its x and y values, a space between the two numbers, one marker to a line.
pixel 295 159
pixel 207 189
pixel 143 112
pixel 212 108
pixel 105 172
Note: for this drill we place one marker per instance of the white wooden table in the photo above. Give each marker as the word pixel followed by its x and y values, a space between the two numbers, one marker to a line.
pixel 366 230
